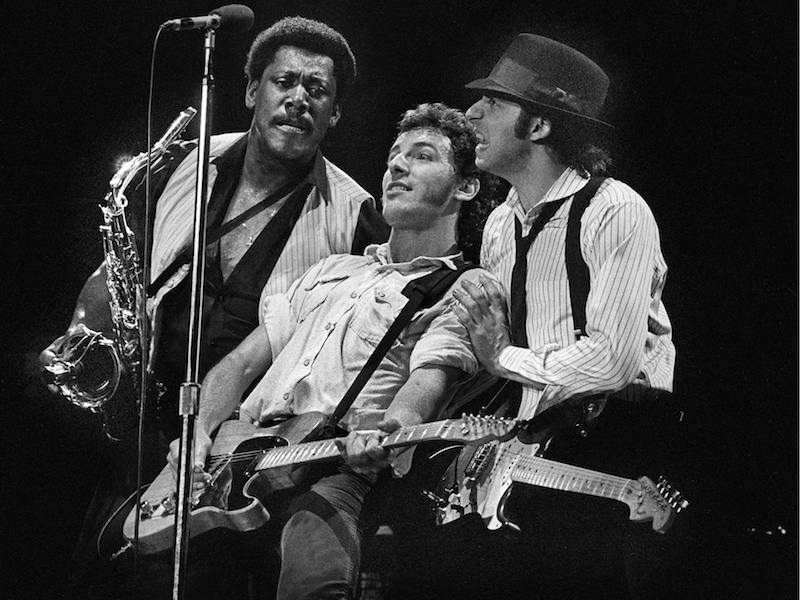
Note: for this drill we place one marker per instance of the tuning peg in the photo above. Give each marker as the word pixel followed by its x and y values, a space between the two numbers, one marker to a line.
pixel 680 503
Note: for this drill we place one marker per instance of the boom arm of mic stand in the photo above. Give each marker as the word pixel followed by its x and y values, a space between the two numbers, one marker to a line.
pixel 188 403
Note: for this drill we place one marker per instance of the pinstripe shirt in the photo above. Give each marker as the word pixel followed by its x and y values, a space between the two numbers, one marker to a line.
pixel 629 337
pixel 326 225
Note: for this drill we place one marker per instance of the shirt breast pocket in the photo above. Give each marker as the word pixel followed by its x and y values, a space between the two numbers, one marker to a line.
pixel 378 309
pixel 317 292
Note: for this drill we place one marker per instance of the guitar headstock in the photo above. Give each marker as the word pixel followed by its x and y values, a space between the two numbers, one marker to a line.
pixel 475 429
pixel 673 496
pixel 657 502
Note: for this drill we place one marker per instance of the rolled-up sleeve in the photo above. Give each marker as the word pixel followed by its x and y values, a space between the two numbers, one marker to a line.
pixel 277 313
pixel 446 342
pixel 278 321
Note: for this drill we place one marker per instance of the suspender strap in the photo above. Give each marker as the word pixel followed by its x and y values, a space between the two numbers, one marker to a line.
pixel 577 270
pixel 422 293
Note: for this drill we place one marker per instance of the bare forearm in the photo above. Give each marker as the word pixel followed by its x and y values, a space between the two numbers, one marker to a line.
pixel 221 392
pixel 225 384
pixel 423 396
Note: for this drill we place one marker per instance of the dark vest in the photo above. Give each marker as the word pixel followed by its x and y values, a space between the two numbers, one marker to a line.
pixel 230 308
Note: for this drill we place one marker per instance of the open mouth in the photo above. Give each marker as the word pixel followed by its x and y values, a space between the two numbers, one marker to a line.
pixel 397 186
pixel 295 127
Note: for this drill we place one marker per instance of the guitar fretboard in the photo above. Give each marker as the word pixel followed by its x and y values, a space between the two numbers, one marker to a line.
pixel 539 471
pixel 310 452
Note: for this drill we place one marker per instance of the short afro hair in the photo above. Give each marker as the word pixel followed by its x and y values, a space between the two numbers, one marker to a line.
pixel 311 35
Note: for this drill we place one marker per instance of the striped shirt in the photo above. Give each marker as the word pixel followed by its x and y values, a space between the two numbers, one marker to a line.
pixel 327 223
pixel 324 329
pixel 629 336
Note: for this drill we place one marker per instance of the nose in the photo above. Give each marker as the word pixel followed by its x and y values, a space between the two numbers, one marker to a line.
pixel 474 112
pixel 398 164
pixel 298 98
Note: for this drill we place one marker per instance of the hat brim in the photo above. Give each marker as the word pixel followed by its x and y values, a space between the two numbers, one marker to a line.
pixel 487 84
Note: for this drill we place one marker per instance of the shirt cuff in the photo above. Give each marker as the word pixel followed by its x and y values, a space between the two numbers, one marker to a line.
pixel 512 358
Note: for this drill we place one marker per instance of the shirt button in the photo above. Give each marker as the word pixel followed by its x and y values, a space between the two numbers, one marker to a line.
pixel 380 294
pixel 286 396
pixel 306 362
pixel 353 294
pixel 328 326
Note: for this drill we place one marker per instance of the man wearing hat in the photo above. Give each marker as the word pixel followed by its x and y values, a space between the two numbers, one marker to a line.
pixel 578 256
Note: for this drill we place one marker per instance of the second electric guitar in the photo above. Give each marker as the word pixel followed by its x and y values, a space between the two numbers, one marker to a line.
pixel 485 485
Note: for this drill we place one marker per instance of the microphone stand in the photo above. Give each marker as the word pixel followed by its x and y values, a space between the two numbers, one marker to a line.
pixel 189 396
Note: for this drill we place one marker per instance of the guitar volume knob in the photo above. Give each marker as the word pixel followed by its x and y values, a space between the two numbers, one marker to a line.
pixel 145 510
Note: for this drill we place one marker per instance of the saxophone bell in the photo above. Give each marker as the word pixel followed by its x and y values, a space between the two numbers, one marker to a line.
pixel 86 369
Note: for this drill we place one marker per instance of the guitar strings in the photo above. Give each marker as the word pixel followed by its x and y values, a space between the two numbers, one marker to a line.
pixel 215 460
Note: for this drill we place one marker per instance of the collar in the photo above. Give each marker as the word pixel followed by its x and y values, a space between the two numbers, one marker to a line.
pixel 380 253
pixel 567 184
pixel 231 158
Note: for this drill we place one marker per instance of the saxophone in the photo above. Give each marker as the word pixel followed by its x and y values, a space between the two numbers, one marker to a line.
pixel 88 367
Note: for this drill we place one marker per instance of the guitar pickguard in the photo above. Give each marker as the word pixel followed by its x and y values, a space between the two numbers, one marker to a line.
pixel 485 478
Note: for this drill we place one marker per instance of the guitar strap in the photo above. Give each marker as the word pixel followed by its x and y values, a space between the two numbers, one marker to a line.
pixel 212 237
pixel 421 293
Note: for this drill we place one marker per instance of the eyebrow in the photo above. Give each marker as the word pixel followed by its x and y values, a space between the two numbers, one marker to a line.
pixel 415 145
pixel 318 75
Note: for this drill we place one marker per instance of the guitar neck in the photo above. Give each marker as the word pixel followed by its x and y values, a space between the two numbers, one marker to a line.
pixel 542 472
pixel 311 452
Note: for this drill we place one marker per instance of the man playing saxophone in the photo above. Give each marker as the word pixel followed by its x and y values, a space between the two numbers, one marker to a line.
pixel 276 206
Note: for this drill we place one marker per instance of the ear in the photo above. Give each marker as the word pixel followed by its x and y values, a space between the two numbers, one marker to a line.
pixel 336 114
pixel 540 129
pixel 250 93
pixel 467 189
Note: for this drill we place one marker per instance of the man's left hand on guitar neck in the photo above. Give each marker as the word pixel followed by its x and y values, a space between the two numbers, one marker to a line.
pixel 362 450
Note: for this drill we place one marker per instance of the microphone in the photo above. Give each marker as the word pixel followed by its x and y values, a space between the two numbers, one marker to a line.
pixel 232 17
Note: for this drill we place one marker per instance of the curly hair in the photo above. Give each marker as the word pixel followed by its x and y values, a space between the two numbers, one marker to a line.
pixel 311 35
pixel 455 125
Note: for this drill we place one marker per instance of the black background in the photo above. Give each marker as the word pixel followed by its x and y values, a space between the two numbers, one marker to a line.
pixel 704 99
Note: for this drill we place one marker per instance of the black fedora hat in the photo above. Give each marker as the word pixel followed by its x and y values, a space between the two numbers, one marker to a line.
pixel 538 70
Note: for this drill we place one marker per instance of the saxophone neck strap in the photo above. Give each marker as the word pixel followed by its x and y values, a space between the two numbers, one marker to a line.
pixel 212 237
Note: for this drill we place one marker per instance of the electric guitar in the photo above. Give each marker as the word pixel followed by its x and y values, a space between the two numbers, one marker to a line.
pixel 248 463
pixel 485 486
